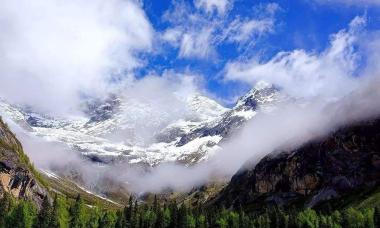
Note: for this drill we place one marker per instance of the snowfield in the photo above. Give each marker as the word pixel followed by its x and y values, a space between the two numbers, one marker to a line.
pixel 110 131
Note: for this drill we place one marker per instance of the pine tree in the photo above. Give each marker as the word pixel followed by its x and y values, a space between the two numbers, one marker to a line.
pixel 308 218
pixel 149 217
pixel 190 221
pixel 77 214
pixel 120 221
pixel 54 219
pixel 166 216
pixel 94 218
pixel 128 212
pixel 45 215
pixel 135 216
pixel 211 217
pixel 140 221
pixel 159 223
pixel 155 204
pixel 244 220
pixel 368 218
pixel 353 218
pixel 376 217
pixel 283 219
pixel 5 207
pixel 173 215
pixel 181 217
pixel 108 220
pixel 21 216
pixel 200 221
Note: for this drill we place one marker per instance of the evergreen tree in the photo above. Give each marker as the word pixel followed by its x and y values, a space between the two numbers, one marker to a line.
pixel 166 216
pixel 159 223
pixel 135 216
pixel 233 219
pixel 155 204
pixel 45 214
pixel 5 207
pixel 353 218
pixel 24 214
pixel 211 217
pixel 94 218
pixel 376 217
pixel 120 221
pixel 181 217
pixel 108 220
pixel 77 219
pixel 263 221
pixel 336 217
pixel 283 219
pixel 368 218
pixel 21 216
pixel 201 221
pixel 307 218
pixel 128 212
pixel 140 221
pixel 54 219
pixel 173 215
pixel 149 217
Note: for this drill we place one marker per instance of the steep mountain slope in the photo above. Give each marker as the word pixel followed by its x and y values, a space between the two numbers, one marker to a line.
pixel 110 132
pixel 20 179
pixel 325 169
pixel 17 176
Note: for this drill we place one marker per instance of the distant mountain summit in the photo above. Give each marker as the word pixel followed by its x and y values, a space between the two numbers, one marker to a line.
pixel 111 130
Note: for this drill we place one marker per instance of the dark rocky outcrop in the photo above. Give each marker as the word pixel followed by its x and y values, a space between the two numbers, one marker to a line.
pixel 346 160
pixel 17 175
pixel 100 110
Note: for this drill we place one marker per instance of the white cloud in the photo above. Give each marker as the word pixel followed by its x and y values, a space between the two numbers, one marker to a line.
pixel 197 35
pixel 151 103
pixel 53 51
pixel 250 29
pixel 211 5
pixel 172 35
pixel 197 44
pixel 242 31
pixel 361 3
pixel 301 73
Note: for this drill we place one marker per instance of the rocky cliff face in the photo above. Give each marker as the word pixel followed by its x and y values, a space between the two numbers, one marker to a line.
pixel 344 161
pixel 17 176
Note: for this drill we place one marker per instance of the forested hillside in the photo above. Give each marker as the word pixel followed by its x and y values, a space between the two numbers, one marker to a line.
pixel 63 213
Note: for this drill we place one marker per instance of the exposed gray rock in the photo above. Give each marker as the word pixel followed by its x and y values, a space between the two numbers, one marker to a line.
pixel 16 172
pixel 321 170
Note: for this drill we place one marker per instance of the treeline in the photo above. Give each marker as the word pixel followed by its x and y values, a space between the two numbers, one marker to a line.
pixel 76 214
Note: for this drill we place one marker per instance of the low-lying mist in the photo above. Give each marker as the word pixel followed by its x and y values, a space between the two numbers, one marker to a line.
pixel 291 125
pixel 287 128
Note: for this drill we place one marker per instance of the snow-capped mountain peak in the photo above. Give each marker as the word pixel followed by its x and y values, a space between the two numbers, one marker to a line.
pixel 205 107
pixel 262 93
pixel 112 128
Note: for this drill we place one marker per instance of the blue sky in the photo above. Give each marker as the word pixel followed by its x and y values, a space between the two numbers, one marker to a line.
pixel 63 52
pixel 297 24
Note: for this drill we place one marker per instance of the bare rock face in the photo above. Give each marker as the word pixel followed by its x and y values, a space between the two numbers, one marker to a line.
pixel 346 160
pixel 21 184
pixel 16 172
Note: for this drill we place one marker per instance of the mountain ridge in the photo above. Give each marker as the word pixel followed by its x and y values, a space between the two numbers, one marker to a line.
pixel 321 170
pixel 103 137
